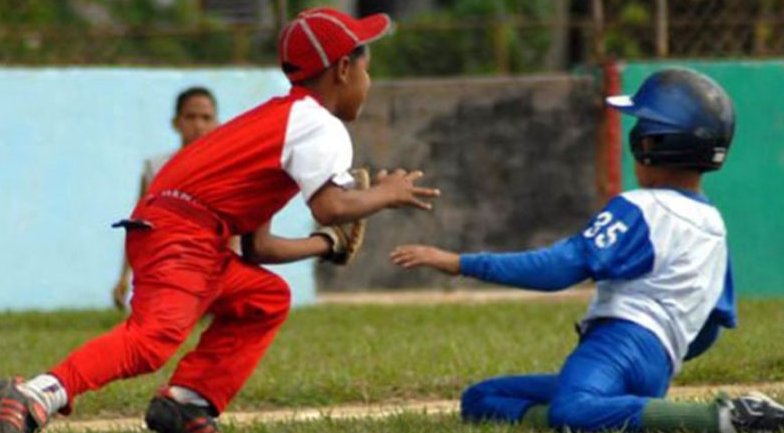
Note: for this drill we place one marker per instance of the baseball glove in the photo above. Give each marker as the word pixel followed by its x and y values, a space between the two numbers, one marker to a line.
pixel 347 238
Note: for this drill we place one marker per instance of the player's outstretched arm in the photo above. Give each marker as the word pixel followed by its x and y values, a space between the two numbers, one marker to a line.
pixel 335 205
pixel 412 256
pixel 263 247
pixel 546 269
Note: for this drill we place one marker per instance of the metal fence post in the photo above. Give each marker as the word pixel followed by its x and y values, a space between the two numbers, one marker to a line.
pixel 283 13
pixel 501 47
pixel 597 10
pixel 662 31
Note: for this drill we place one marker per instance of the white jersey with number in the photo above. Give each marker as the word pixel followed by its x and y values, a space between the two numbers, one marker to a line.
pixel 660 259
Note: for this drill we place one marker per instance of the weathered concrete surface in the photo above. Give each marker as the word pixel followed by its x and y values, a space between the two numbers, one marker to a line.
pixel 513 157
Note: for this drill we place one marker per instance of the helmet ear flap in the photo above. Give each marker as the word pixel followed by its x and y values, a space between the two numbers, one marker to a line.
pixel 680 150
pixel 636 141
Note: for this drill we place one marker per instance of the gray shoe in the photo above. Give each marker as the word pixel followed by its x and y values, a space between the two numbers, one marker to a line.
pixel 18 412
pixel 756 412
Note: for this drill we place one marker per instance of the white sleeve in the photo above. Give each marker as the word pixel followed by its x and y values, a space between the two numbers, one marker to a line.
pixel 317 148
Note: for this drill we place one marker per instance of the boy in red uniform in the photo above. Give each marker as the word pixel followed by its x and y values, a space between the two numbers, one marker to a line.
pixel 195 114
pixel 230 182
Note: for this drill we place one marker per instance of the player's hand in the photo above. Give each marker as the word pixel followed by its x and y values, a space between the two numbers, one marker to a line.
pixel 400 185
pixel 412 256
pixel 119 293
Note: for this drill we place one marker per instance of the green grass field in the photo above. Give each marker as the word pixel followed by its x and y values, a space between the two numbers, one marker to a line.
pixel 328 355
pixel 404 422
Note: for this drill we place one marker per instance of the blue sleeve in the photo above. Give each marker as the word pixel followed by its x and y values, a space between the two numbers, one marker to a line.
pixel 704 340
pixel 726 311
pixel 615 244
pixel 724 315
pixel 548 269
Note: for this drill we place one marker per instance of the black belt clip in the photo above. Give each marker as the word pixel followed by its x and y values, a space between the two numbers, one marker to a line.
pixel 133 224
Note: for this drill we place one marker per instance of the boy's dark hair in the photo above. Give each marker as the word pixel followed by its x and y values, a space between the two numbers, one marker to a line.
pixel 358 52
pixel 288 68
pixel 190 92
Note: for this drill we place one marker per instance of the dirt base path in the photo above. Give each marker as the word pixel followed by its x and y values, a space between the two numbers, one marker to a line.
pixel 454 296
pixel 374 410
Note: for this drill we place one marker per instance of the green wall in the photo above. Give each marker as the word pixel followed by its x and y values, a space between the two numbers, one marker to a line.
pixel 748 189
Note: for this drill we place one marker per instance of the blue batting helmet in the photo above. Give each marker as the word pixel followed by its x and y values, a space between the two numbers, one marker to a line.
pixel 688 116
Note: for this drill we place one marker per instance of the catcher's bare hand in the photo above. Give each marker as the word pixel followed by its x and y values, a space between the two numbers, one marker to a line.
pixel 412 256
pixel 400 185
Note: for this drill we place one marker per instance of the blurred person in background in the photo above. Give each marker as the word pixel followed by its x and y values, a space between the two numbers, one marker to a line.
pixel 195 114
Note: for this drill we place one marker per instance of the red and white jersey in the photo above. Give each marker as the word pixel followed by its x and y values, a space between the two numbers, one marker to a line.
pixel 246 170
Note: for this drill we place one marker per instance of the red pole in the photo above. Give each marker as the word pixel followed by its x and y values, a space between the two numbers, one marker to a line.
pixel 612 133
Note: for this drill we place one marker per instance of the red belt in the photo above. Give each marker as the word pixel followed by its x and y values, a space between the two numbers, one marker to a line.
pixel 188 208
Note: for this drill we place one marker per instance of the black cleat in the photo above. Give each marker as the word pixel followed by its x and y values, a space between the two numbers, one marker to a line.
pixel 756 412
pixel 165 415
pixel 18 412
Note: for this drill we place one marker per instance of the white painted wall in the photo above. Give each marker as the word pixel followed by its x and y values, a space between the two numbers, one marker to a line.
pixel 72 142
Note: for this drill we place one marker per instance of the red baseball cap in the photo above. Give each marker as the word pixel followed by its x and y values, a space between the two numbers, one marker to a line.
pixel 318 37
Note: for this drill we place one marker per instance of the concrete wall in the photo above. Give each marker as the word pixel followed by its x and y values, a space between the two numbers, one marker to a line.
pixel 514 159
pixel 72 142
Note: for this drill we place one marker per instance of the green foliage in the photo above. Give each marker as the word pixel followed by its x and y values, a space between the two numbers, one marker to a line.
pixel 633 15
pixel 20 24
pixel 296 6
pixel 470 37
pixel 111 31
pixel 179 33
pixel 434 51
pixel 39 12
pixel 463 37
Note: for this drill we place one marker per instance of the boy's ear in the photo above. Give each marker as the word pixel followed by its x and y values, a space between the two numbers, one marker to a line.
pixel 342 69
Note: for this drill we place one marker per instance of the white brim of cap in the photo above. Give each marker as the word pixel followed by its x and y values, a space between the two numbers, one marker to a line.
pixel 620 101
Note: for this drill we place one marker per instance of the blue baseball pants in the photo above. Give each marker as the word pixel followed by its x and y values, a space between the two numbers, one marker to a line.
pixel 604 384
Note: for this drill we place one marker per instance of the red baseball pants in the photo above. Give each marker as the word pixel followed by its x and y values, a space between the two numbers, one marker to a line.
pixel 182 271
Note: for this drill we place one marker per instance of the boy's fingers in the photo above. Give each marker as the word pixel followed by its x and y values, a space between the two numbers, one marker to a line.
pixel 420 204
pixel 414 175
pixel 404 249
pixel 409 262
pixel 402 261
pixel 403 256
pixel 427 192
